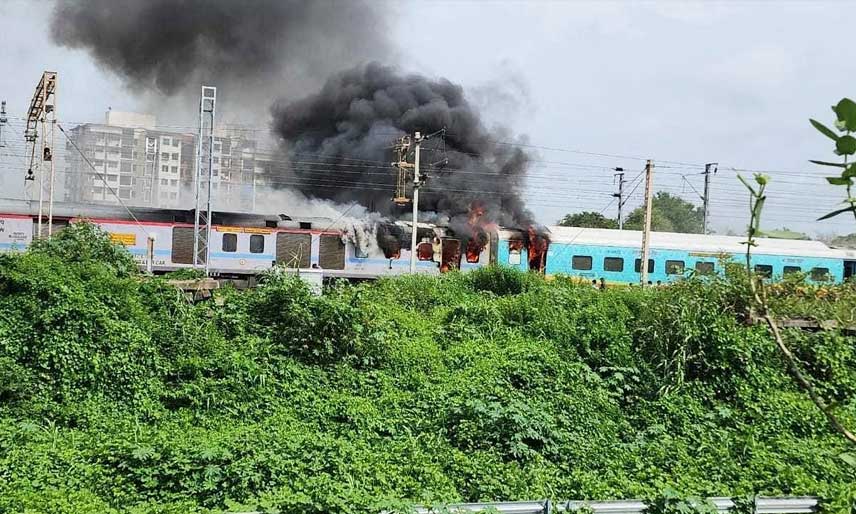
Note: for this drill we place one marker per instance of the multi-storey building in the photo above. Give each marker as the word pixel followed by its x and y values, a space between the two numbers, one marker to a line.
pixel 154 168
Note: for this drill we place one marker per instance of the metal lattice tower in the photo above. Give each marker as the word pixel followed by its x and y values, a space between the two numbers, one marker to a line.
pixel 204 167
pixel 401 148
pixel 42 112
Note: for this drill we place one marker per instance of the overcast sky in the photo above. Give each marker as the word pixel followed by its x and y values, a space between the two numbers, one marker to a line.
pixel 678 82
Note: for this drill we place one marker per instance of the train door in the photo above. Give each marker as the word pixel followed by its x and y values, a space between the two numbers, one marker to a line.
pixel 849 269
pixel 450 255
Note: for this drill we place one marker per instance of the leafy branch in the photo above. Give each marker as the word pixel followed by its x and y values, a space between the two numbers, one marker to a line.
pixel 759 299
pixel 845 146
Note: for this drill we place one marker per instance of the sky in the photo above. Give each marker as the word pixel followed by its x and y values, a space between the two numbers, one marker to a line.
pixel 587 86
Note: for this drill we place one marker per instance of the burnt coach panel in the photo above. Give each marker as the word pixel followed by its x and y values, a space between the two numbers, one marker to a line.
pixel 293 249
pixel 331 252
pixel 182 245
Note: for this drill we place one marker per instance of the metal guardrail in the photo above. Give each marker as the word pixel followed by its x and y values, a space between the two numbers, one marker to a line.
pixel 763 505
pixel 795 505
pixel 538 507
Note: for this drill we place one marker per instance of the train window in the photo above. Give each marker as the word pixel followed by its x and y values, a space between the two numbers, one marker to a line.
pixel 765 270
pixel 613 264
pixel 674 267
pixel 820 274
pixel 424 251
pixel 360 252
pixel 704 268
pixel 230 242
pixel 257 243
pixel 637 266
pixel 790 270
pixel 582 262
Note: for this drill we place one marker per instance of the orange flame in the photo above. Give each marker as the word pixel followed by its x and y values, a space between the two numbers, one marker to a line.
pixel 478 236
pixel 537 245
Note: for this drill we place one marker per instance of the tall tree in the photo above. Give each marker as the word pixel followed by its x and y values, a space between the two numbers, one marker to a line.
pixel 669 214
pixel 588 219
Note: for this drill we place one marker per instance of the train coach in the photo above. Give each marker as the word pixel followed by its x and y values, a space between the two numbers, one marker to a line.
pixel 242 245
pixel 615 256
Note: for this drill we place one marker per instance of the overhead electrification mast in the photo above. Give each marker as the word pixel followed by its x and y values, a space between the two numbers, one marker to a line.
pixel 42 114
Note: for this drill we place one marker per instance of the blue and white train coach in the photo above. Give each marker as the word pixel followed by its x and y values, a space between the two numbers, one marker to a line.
pixel 615 256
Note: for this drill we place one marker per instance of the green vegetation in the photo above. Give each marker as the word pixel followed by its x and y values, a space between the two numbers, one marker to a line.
pixel 119 396
pixel 668 214
pixel 846 241
pixel 588 219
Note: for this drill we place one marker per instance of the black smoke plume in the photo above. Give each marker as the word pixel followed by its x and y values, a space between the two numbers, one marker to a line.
pixel 339 145
pixel 173 45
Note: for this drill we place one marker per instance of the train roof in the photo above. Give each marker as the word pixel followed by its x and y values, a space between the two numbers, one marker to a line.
pixel 713 244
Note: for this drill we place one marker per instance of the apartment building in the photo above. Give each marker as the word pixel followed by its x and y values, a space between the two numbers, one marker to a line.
pixel 150 167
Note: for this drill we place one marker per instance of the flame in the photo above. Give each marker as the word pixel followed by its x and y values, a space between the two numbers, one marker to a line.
pixel 536 245
pixel 478 231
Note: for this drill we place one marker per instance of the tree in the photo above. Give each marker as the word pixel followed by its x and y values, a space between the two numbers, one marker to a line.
pixel 588 219
pixel 785 233
pixel 669 214
pixel 848 241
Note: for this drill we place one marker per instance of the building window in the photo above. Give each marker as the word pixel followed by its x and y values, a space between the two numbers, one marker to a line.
pixel 168 141
pixel 613 264
pixel 820 274
pixel 112 164
pixel 217 161
pixel 230 242
pixel 257 243
pixel 637 266
pixel 175 158
pixel 581 262
pixel 791 270
pixel 704 268
pixel 165 156
pixel 125 180
pixel 174 183
pixel 165 182
pixel 112 178
pixel 175 170
pixel 674 267
pixel 764 270
pixel 173 196
pixel 165 169
pixel 125 194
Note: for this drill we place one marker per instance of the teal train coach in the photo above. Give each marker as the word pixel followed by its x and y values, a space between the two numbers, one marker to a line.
pixel 615 255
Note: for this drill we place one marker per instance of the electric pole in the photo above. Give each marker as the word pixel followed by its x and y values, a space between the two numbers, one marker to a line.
pixel 204 166
pixel 3 121
pixel 706 197
pixel 619 194
pixel 417 181
pixel 646 231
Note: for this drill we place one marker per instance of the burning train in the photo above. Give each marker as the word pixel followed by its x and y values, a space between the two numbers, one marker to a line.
pixel 246 244
pixel 243 245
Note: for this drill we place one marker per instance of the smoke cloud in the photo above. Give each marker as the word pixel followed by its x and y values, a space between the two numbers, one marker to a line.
pixel 339 145
pixel 336 143
pixel 173 45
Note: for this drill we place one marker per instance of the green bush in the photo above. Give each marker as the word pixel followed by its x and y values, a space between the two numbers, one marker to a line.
pixel 117 395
